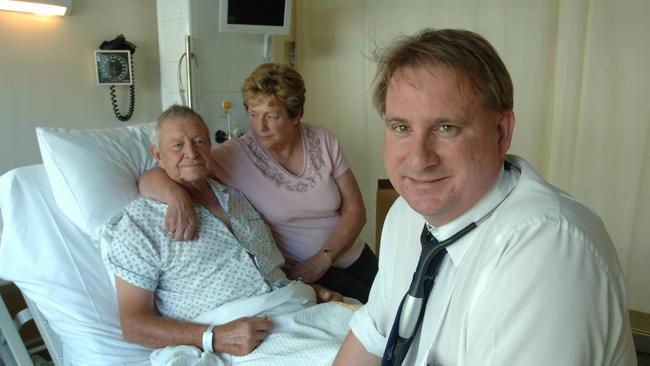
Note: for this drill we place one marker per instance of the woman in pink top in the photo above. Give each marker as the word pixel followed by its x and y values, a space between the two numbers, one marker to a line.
pixel 297 177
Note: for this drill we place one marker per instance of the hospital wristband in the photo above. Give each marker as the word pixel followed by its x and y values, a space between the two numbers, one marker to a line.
pixel 208 336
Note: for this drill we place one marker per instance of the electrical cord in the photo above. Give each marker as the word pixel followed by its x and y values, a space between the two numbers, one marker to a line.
pixel 116 108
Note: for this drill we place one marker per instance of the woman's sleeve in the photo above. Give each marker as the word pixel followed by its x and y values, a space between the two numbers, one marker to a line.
pixel 340 163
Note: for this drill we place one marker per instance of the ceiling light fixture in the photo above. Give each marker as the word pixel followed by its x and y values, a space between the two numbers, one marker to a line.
pixel 40 7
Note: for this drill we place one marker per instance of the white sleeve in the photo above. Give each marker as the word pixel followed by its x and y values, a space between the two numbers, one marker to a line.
pixel 364 328
pixel 400 249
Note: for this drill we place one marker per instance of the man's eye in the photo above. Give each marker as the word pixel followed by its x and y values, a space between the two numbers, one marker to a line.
pixel 272 116
pixel 400 128
pixel 199 142
pixel 447 129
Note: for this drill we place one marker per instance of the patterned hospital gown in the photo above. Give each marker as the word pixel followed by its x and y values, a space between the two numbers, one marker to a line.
pixel 192 277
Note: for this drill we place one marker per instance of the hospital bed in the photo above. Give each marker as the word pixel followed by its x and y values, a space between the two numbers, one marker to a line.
pixel 51 248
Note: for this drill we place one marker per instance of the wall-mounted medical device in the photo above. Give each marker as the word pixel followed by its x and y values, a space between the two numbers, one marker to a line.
pixel 255 16
pixel 114 67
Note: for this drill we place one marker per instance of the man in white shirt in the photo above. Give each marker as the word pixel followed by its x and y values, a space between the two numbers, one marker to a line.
pixel 533 279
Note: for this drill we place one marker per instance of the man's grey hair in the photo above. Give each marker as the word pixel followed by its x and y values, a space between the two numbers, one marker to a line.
pixel 174 112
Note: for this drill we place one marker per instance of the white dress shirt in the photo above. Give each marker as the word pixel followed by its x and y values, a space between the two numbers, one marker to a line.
pixel 537 283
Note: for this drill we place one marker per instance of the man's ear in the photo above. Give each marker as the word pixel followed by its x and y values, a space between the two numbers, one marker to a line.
pixel 505 127
pixel 155 153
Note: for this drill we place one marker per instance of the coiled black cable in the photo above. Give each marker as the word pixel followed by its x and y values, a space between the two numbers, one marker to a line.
pixel 116 109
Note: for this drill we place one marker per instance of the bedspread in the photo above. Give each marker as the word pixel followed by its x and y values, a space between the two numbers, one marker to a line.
pixel 305 333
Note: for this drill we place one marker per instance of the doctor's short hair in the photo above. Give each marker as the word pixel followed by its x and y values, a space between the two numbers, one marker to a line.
pixel 174 112
pixel 464 52
pixel 278 81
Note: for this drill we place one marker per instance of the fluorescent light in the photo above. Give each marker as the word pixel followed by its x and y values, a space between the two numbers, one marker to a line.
pixel 40 7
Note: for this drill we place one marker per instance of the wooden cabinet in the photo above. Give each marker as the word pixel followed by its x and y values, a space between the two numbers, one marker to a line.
pixel 386 195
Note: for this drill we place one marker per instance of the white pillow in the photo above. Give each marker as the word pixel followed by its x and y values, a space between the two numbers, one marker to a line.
pixel 94 173
pixel 49 259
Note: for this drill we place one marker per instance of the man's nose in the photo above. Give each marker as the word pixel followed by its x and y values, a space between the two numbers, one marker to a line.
pixel 190 151
pixel 423 151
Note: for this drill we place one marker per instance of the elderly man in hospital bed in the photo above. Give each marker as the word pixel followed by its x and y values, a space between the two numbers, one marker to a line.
pixel 199 294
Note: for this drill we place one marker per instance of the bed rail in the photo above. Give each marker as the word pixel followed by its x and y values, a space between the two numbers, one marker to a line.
pixel 12 349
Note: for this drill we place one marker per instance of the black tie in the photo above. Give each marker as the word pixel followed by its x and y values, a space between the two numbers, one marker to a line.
pixel 396 346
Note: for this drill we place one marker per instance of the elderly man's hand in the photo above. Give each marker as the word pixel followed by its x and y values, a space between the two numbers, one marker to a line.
pixel 241 336
pixel 180 220
pixel 324 294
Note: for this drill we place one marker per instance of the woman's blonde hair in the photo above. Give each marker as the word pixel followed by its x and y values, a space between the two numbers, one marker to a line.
pixel 280 82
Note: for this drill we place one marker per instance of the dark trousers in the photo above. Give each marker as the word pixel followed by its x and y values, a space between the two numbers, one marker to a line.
pixel 355 280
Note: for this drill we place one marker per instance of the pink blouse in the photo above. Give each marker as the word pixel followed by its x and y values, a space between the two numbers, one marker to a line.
pixel 301 210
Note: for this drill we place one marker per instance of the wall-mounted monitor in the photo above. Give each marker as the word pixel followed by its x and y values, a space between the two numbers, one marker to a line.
pixel 255 16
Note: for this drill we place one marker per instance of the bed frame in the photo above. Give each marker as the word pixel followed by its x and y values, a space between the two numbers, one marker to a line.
pixel 13 351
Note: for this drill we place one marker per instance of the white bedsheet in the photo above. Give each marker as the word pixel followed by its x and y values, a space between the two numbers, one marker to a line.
pixel 304 333
pixel 80 305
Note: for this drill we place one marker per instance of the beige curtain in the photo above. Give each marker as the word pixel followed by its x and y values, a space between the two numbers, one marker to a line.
pixel 582 95
pixel 599 139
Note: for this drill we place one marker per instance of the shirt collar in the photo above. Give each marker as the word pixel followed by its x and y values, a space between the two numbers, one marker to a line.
pixel 505 182
pixel 223 195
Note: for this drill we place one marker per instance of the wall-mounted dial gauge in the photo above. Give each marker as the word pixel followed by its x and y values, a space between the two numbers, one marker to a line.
pixel 113 67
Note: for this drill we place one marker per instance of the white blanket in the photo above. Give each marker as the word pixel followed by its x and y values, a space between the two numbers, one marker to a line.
pixel 304 333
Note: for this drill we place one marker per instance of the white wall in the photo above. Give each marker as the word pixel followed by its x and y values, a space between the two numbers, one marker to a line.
pixel 47 72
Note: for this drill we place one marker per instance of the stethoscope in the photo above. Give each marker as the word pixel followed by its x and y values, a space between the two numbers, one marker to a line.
pixel 410 313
